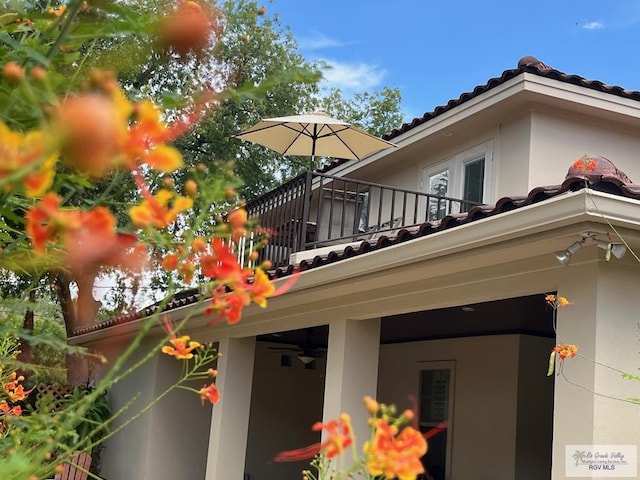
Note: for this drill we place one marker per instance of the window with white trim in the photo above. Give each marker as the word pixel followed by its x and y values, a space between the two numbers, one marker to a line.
pixel 465 176
pixel 435 416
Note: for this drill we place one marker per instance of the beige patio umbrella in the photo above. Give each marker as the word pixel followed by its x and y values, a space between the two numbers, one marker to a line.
pixel 314 134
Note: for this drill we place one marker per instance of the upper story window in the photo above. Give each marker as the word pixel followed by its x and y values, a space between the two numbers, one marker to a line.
pixel 465 176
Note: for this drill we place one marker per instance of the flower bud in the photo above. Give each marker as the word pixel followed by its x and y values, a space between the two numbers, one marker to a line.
pixel 371 405
pixel 89 131
pixel 191 188
pixel 12 72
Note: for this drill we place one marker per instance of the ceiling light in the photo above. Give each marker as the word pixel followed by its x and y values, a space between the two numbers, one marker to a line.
pixel 468 309
pixel 306 359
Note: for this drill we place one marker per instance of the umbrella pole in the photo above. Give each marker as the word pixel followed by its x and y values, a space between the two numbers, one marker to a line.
pixel 313 146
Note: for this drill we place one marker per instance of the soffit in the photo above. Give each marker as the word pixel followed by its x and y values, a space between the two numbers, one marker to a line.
pixel 476 262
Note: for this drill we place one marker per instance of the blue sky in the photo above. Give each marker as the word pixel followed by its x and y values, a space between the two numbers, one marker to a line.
pixel 435 50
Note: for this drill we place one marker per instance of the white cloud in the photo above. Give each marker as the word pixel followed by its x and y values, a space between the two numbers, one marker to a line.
pixel 318 41
pixel 352 77
pixel 594 25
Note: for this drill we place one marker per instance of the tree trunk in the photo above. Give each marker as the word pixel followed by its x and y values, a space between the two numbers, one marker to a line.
pixel 77 368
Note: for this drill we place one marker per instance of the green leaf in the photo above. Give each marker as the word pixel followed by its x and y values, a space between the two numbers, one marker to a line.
pixel 30 52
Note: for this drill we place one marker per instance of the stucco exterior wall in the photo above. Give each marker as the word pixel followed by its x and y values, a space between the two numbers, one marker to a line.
pixel 511 155
pixel 590 406
pixel 125 453
pixel 558 140
pixel 488 406
pixel 170 440
pixel 285 403
pixel 509 137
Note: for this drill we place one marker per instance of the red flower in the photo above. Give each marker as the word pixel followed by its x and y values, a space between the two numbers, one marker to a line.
pixel 228 305
pixel 222 265
pixel 45 221
pixel 209 393
pixel 339 435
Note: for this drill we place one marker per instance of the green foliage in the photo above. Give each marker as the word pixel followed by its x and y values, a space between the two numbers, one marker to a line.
pixel 375 113
pixel 92 425
pixel 47 341
pixel 254 51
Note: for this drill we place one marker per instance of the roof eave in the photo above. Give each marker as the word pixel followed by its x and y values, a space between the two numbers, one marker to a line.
pixel 548 226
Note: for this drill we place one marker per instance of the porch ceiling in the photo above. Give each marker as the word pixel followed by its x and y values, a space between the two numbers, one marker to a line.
pixel 527 315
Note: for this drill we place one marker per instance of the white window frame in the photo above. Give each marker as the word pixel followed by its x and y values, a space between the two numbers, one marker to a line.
pixel 442 365
pixel 455 165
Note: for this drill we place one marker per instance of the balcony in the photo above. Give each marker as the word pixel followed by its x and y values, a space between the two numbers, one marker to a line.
pixel 314 211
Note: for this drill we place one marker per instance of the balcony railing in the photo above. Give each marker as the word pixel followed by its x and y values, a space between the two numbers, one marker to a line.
pixel 316 210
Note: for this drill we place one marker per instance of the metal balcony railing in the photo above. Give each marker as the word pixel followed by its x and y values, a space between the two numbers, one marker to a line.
pixel 316 210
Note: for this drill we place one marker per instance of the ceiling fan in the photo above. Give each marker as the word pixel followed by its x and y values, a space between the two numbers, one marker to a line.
pixel 306 351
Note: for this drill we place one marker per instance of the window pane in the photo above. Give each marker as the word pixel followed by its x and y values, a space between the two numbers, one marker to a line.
pixel 434 409
pixel 438 185
pixel 474 181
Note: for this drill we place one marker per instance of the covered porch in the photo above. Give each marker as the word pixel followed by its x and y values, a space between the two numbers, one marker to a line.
pixel 396 312
pixel 478 367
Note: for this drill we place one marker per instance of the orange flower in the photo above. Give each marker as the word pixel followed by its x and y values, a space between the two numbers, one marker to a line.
pixel 339 437
pixel 566 350
pixel 556 302
pixel 182 348
pixel 144 142
pixel 261 288
pixel 14 389
pixel 585 163
pixel 186 269
pixel 7 410
pixel 27 157
pixel 391 455
pixel 160 210
pixel 103 131
pixel 209 393
pixel 170 261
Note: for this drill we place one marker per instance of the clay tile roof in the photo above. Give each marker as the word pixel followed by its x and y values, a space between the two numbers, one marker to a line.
pixel 595 172
pixel 526 64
